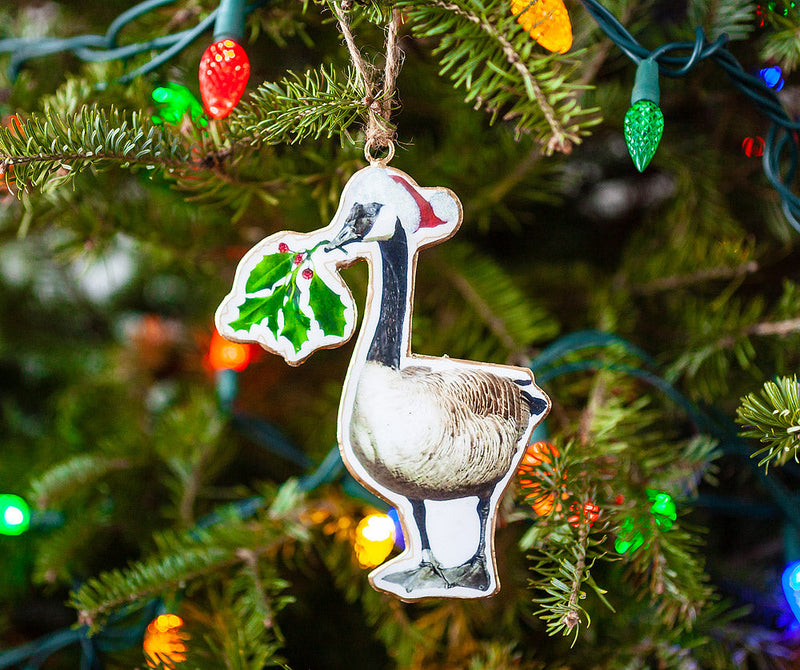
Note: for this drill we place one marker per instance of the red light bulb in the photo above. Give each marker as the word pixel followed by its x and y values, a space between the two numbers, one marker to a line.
pixel 753 146
pixel 224 71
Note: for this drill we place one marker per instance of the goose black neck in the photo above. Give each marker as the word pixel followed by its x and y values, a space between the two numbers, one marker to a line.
pixel 388 337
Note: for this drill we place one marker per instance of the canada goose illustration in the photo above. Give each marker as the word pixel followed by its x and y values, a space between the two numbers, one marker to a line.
pixel 425 428
pixel 438 438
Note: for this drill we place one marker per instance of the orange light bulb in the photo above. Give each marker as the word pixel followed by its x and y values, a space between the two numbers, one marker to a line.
pixel 537 455
pixel 164 642
pixel 226 355
pixel 547 21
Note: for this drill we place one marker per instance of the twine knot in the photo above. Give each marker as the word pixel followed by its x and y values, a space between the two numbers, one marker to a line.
pixel 379 131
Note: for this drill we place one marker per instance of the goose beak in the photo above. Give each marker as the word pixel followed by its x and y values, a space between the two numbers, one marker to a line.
pixel 345 235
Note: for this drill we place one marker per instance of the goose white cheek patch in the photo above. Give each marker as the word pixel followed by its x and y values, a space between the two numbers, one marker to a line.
pixel 437 438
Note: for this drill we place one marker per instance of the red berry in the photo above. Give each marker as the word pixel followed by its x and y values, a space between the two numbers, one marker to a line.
pixel 308 273
pixel 283 247
pixel 298 258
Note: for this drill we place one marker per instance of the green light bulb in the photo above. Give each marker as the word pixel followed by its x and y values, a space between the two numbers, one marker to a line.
pixel 644 122
pixel 629 538
pixel 15 515
pixel 663 509
pixel 175 101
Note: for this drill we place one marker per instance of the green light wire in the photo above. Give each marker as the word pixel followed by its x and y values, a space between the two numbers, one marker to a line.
pixel 131 15
pixel 779 139
pixel 100 48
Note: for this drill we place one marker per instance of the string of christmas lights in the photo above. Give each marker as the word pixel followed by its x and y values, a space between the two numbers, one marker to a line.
pixel 781 145
pixel 643 123
pixel 102 48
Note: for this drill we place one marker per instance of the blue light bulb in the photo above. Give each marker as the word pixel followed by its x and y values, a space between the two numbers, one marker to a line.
pixel 399 540
pixel 794 577
pixel 790 580
pixel 771 76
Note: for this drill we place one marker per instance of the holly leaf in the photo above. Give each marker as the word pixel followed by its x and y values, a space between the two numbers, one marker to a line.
pixel 295 325
pixel 255 310
pixel 269 271
pixel 328 307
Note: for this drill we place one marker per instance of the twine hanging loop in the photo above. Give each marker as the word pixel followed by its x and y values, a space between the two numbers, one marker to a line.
pixel 379 131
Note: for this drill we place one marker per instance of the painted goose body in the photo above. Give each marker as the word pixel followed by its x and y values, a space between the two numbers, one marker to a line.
pixel 450 434
pixel 418 428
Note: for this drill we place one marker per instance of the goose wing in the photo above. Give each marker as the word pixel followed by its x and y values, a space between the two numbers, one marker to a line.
pixel 475 393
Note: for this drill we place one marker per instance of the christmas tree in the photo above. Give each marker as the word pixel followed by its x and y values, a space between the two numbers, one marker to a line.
pixel 173 499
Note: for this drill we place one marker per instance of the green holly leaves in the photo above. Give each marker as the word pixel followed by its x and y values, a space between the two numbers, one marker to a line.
pixel 328 307
pixel 269 271
pixel 284 294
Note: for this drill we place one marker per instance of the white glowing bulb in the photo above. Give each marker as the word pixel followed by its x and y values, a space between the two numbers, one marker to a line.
pixel 13 516
pixel 379 528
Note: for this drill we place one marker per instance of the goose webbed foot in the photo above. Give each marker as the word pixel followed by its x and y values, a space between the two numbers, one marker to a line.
pixel 429 574
pixel 472 574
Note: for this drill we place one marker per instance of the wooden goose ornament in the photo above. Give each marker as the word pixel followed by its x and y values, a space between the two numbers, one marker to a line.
pixel 438 438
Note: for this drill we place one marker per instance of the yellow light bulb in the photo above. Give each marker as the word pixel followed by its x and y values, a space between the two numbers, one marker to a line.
pixel 374 540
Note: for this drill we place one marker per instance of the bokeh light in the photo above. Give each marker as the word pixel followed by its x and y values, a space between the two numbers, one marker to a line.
pixel 15 515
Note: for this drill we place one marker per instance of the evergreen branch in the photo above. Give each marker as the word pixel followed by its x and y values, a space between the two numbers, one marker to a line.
pixel 596 401
pixel 316 104
pixel 572 617
pixel 495 323
pixel 515 60
pixel 56 559
pixel 501 74
pixel 234 632
pixel 489 197
pixel 101 595
pixel 261 606
pixel 563 557
pixel 783 328
pixel 717 334
pixel 561 569
pixel 255 592
pixel 179 559
pixel 63 144
pixel 733 18
pixel 783 46
pixel 773 417
pixel 712 357
pixel 78 472
pixel 508 314
pixel 668 567
pixel 707 274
